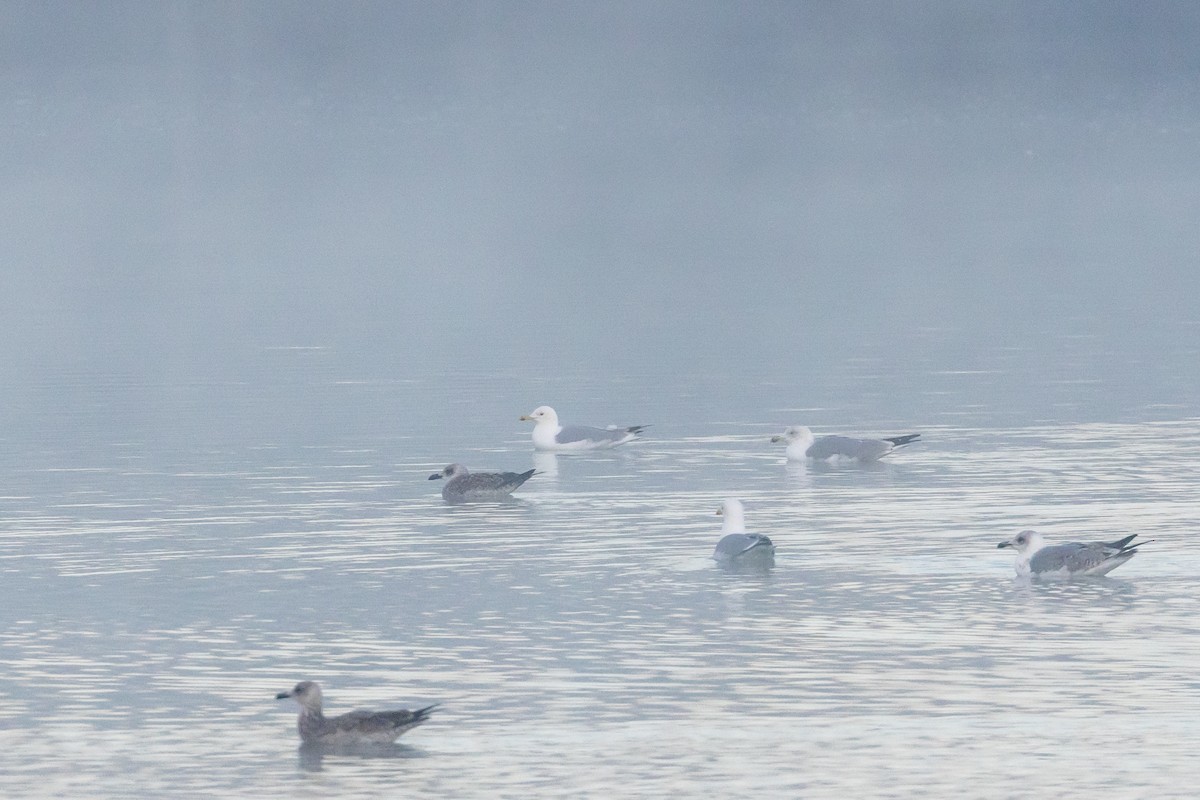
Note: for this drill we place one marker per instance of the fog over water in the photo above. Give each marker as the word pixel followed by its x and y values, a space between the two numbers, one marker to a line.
pixel 266 265
pixel 497 184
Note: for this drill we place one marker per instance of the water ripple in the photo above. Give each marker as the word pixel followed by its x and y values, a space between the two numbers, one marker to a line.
pixel 581 634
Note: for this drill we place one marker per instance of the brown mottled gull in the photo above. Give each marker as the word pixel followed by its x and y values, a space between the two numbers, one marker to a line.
pixel 356 727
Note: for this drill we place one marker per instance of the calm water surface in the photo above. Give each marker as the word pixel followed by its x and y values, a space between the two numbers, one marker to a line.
pixel 165 575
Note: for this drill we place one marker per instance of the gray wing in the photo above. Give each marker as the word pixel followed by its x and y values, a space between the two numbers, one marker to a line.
pixel 847 447
pixel 484 482
pixel 484 486
pixel 738 544
pixel 367 723
pixel 1100 558
pixel 586 433
pixel 1073 556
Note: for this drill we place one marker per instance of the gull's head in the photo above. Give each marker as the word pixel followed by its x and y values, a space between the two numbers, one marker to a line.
pixel 1024 542
pixel 452 471
pixel 733 516
pixel 795 433
pixel 306 693
pixel 540 415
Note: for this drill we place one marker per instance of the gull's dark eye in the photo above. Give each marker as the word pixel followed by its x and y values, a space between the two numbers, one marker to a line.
pixel 1020 540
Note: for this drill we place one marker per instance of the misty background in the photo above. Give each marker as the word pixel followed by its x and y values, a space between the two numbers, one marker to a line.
pixel 266 266
pixel 197 193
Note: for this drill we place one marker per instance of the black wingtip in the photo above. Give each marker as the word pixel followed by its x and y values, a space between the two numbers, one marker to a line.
pixel 900 441
pixel 1124 544
pixel 636 430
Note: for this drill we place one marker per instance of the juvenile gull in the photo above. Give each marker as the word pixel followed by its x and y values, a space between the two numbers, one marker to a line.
pixel 462 485
pixel 356 727
pixel 1037 559
pixel 549 435
pixel 737 545
pixel 801 444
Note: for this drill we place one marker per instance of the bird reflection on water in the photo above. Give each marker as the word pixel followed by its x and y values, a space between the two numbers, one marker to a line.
pixel 311 756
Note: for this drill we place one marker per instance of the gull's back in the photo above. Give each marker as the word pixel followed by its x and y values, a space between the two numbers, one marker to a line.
pixel 484 484
pixel 1083 558
pixel 743 545
pixel 366 727
pixel 572 434
pixel 848 447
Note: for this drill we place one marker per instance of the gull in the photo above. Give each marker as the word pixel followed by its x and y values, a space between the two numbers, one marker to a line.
pixel 737 546
pixel 463 485
pixel 549 435
pixel 356 727
pixel 801 444
pixel 1037 559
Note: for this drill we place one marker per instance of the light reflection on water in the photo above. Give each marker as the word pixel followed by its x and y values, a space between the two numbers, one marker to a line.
pixel 580 637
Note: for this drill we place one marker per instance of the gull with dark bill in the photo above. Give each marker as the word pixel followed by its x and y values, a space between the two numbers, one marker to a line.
pixel 1037 559
pixel 354 728
pixel 801 444
pixel 462 485
pixel 737 546
pixel 549 435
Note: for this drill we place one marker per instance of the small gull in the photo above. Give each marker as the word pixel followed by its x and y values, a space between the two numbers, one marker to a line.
pixel 1037 559
pixel 463 485
pixel 356 727
pixel 737 545
pixel 549 435
pixel 801 444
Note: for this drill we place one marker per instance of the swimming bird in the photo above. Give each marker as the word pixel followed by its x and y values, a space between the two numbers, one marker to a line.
pixel 801 444
pixel 549 435
pixel 356 727
pixel 1037 559
pixel 737 546
pixel 462 485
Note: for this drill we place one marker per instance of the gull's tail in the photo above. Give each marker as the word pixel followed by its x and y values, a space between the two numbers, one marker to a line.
pixel 402 721
pixel 900 441
pixel 422 714
pixel 1124 546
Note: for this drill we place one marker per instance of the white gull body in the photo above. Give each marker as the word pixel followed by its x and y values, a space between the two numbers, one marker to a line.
pixel 1037 559
pixel 736 545
pixel 548 434
pixel 802 445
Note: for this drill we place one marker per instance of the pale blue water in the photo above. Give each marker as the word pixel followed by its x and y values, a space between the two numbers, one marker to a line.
pixel 174 552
